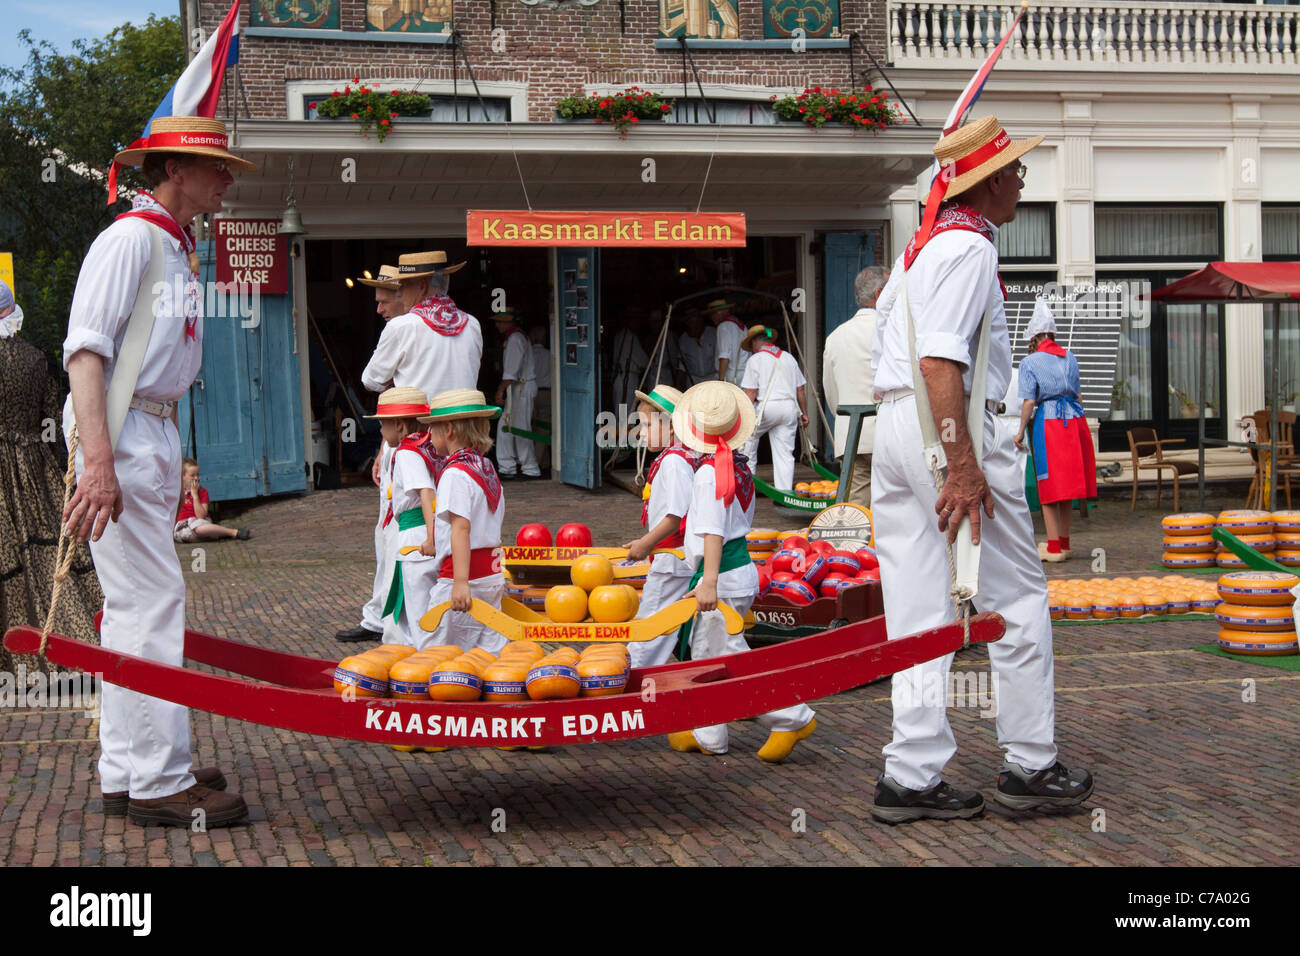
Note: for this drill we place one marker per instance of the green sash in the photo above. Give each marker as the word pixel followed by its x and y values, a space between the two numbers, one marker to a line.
pixel 735 554
pixel 408 519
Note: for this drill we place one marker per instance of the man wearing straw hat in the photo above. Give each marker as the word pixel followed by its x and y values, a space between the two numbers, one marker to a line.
pixel 731 356
pixel 943 304
pixel 775 383
pixel 134 345
pixel 388 304
pixel 518 390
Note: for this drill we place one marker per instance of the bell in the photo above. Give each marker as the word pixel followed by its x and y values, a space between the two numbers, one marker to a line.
pixel 291 221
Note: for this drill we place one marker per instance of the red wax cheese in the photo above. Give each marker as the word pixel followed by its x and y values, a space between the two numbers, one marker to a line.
pixel 778 576
pixel 795 541
pixel 867 557
pixel 573 535
pixel 817 569
pixel 844 562
pixel 821 547
pixel 533 536
pixel 789 559
pixel 830 584
pixel 796 592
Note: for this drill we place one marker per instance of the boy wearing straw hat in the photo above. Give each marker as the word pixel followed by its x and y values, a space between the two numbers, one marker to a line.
pixel 944 292
pixel 413 479
pixel 715 418
pixel 665 501
pixel 518 390
pixel 124 389
pixel 775 383
pixel 731 356
pixel 471 508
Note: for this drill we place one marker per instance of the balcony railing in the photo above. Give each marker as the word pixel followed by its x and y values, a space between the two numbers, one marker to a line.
pixel 1156 37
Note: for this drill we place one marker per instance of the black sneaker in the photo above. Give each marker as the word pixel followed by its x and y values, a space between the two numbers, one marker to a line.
pixel 1056 786
pixel 896 804
pixel 355 635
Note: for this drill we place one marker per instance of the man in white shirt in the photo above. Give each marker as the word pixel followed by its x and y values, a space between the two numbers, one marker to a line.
pixel 731 356
pixel 699 345
pixel 775 384
pixel 128 485
pixel 515 395
pixel 847 379
pixel 947 281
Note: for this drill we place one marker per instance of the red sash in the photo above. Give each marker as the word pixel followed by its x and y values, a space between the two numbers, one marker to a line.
pixel 771 350
pixel 184 236
pixel 440 313
pixel 472 463
pixel 736 322
pixel 742 479
pixel 954 215
pixel 482 562
pixel 419 443
pixel 676 539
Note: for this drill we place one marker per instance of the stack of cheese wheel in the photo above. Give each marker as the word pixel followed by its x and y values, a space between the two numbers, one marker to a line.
pixel 460 678
pixel 1256 614
pixel 366 674
pixel 602 670
pixel 408 679
pixel 554 676
pixel 529 596
pixel 505 679
pixel 1187 541
pixel 1083 599
pixel 761 542
pixel 593 595
pixel 1286 538
pixel 1252 527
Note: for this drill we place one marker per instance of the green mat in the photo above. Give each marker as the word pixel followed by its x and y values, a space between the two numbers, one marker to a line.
pixel 1214 570
pixel 1147 619
pixel 1291 662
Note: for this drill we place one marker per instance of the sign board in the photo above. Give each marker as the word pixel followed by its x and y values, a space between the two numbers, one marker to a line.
pixel 845 525
pixel 250 252
pixel 7 270
pixel 544 227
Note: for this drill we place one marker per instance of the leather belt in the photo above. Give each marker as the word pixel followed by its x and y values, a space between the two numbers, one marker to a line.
pixel 157 409
pixel 898 394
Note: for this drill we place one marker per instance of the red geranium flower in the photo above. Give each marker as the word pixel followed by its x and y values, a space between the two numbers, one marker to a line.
pixel 311 106
pixel 356 79
pixel 355 116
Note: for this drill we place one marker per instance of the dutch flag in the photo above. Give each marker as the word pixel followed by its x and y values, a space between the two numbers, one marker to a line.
pixel 197 90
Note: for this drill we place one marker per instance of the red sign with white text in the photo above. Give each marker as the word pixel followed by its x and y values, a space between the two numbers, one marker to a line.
pixel 250 253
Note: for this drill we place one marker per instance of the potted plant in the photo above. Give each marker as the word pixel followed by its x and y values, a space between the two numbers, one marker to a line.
pixel 374 110
pixel 816 106
pixel 1187 407
pixel 1120 396
pixel 623 110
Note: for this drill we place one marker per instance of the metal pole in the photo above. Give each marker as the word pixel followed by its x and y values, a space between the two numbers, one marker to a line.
pixel 1200 415
pixel 1277 398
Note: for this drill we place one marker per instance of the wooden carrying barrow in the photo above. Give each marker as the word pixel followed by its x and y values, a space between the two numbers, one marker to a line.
pixel 297 693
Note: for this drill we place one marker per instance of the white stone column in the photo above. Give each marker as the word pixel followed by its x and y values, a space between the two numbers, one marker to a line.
pixel 1075 235
pixel 1243 238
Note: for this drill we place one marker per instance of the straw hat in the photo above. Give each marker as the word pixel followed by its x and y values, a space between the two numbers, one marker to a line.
pixel 387 279
pixel 976 151
pixel 419 265
pixel 506 315
pixel 717 305
pixel 401 403
pixel 1041 321
pixel 712 409
pixel 662 397
pixel 459 403
pixel 756 330
pixel 197 135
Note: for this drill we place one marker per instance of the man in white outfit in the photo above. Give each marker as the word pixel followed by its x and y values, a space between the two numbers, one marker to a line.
pixel 950 271
pixel 143 269
pixel 775 384
pixel 730 356
pixel 699 344
pixel 515 395
pixel 373 626
pixel 847 380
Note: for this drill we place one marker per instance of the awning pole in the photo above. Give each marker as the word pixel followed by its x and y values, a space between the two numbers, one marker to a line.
pixel 1200 415
pixel 1277 401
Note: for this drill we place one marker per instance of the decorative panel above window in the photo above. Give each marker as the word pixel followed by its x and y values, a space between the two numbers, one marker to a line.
pixel 300 14
pixel 409 16
pixel 700 19
pixel 817 18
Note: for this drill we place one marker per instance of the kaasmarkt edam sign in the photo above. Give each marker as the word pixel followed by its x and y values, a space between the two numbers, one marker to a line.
pixel 548 227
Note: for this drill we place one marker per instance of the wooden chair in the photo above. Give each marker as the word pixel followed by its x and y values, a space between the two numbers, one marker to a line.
pixel 1287 465
pixel 1148 455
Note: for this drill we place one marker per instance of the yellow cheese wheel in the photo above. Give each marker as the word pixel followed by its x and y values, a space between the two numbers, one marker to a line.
pixel 552 680
pixel 505 679
pixel 400 650
pixel 1262 543
pixel 1258 588
pixel 1258 643
pixel 1290 540
pixel 1105 611
pixel 458 679
pixel 565 655
pixel 1246 521
pixel 1130 607
pixel 1226 559
pixel 601 675
pixel 1187 542
pixel 1078 611
pixel 1057 610
pixel 484 657
pixel 1247 617
pixel 529 648
pixel 361 676
pixel 1195 559
pixel 409 679
pixel 1193 522
pixel 1286 521
pixel 443 652
pixel 1154 602
pixel 1290 558
pixel 1204 603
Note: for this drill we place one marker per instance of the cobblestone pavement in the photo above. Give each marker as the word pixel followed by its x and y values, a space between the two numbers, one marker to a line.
pixel 1187 771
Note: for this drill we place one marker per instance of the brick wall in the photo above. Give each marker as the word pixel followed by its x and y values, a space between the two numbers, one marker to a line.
pixel 557 52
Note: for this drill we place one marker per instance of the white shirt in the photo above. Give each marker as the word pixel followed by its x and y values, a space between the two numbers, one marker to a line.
pixel 670 492
pixel 728 347
pixel 460 495
pixel 517 363
pixel 782 375
pixel 847 378
pixel 708 515
pixel 410 474
pixel 118 261
pixel 542 365
pixel 700 355
pixel 412 355
pixel 629 357
pixel 949 286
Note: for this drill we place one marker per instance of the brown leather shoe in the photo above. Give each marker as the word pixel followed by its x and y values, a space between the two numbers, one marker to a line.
pixel 210 777
pixel 182 809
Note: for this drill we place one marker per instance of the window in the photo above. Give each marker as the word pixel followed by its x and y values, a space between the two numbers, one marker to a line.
pixel 1281 232
pixel 817 18
pixel 409 16
pixel 298 14
pixel 446 108
pixel 700 19
pixel 1031 236
pixel 1129 232
pixel 727 112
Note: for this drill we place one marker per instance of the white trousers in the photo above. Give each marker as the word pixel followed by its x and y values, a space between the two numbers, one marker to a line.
pixel 779 421
pixel 665 584
pixel 709 638
pixel 144 742
pixel 914 577
pixel 419 574
pixel 385 554
pixel 515 454
pixel 458 627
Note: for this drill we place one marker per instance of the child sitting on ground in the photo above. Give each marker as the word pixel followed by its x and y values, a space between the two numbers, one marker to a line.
pixel 663 515
pixel 413 476
pixel 192 522
pixel 469 515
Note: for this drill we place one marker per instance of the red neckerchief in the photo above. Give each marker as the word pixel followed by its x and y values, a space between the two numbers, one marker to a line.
pixel 771 350
pixel 472 463
pixel 742 479
pixel 954 215
pixel 146 207
pixel 675 449
pixel 419 443
pixel 1051 348
pixel 441 314
pixel 735 321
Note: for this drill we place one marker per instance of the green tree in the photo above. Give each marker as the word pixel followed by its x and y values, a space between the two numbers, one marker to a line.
pixel 62 117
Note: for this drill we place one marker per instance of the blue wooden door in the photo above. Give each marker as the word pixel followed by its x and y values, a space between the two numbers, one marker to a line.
pixel 845 255
pixel 578 284
pixel 244 405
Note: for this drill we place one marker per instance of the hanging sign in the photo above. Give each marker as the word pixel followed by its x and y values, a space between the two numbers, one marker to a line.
pixel 548 227
pixel 251 253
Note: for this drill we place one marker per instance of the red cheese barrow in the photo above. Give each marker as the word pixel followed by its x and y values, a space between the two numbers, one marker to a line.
pixel 297 693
